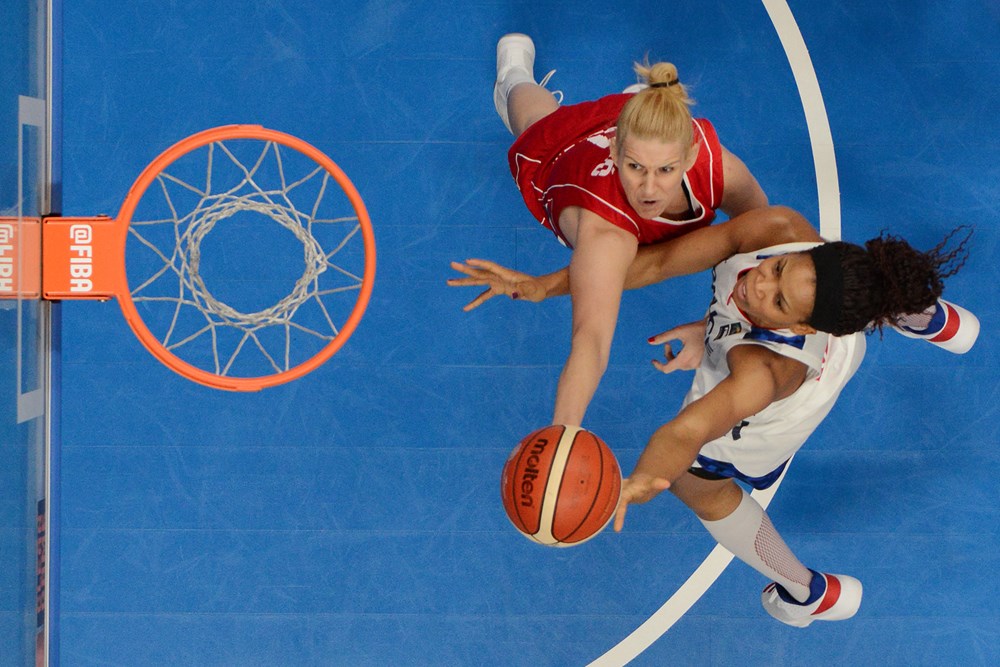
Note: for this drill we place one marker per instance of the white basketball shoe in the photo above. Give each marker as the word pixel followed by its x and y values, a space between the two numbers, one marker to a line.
pixel 515 65
pixel 945 324
pixel 835 597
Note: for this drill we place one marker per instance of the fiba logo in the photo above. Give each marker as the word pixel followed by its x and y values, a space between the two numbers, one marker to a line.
pixel 81 258
pixel 6 257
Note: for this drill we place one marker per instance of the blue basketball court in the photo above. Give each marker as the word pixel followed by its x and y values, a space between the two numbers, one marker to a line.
pixel 352 516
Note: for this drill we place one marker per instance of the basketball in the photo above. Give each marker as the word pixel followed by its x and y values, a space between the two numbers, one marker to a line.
pixel 561 485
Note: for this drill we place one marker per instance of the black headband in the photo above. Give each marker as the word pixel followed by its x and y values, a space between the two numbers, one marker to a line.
pixel 829 287
pixel 664 84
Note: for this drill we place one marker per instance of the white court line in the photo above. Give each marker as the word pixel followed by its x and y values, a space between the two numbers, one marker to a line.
pixel 820 137
pixel 674 608
pixel 828 189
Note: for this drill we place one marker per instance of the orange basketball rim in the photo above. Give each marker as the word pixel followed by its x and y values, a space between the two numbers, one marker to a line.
pixel 85 258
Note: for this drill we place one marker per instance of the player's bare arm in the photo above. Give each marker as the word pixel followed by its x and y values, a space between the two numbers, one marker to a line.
pixel 694 252
pixel 703 249
pixel 758 377
pixel 601 257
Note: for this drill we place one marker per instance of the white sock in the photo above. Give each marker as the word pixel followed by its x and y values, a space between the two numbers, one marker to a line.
pixel 918 322
pixel 515 76
pixel 750 536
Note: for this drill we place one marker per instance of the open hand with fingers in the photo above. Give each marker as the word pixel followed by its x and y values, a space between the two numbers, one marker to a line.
pixel 498 280
pixel 637 489
pixel 692 339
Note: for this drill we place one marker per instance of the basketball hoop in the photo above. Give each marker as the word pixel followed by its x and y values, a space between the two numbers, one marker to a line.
pixel 227 195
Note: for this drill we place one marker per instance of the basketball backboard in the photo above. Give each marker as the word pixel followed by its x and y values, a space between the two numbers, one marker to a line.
pixel 26 193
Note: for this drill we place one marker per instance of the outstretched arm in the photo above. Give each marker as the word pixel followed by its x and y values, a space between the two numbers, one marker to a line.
pixel 758 377
pixel 601 257
pixel 704 248
pixel 694 252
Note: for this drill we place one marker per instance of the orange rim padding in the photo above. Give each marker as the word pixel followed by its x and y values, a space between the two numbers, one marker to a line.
pixel 113 234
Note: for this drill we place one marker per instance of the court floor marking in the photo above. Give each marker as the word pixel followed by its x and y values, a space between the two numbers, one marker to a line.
pixel 828 192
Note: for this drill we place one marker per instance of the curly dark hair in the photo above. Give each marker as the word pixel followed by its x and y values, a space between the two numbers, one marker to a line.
pixel 888 278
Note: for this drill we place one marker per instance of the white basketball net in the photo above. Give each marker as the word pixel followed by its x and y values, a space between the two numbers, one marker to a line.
pixel 219 201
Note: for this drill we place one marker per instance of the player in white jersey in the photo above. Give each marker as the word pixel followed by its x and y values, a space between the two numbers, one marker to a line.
pixel 769 371
pixel 757 448
pixel 779 342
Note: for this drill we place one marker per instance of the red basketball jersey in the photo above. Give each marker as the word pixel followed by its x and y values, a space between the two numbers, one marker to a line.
pixel 564 160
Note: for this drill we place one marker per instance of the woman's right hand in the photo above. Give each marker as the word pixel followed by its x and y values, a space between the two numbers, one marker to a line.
pixel 499 280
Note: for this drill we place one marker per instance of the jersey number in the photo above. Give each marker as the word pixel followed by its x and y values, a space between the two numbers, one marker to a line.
pixel 604 168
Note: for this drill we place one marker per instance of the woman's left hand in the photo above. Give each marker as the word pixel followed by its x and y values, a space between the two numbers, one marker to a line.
pixel 499 281
pixel 637 489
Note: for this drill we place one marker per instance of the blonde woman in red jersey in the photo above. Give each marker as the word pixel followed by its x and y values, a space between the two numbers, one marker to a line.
pixel 606 177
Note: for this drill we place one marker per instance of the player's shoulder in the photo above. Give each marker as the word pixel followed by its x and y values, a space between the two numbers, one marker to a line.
pixel 758 358
pixel 808 349
pixel 705 130
pixel 765 373
pixel 704 124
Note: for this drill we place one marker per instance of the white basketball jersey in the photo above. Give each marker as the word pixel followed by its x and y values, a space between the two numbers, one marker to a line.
pixel 762 443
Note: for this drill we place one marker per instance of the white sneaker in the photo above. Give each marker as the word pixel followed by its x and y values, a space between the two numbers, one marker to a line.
pixel 515 65
pixel 945 324
pixel 837 597
pixel 515 55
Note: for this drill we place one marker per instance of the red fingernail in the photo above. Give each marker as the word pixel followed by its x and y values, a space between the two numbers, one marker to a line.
pixel 650 339
pixel 514 295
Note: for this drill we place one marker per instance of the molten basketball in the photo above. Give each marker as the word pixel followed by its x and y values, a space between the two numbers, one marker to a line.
pixel 561 485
